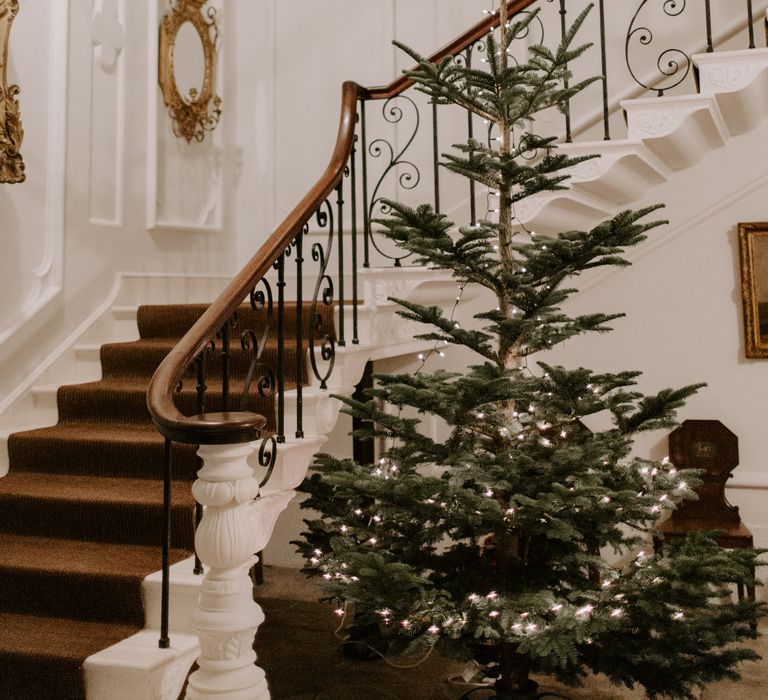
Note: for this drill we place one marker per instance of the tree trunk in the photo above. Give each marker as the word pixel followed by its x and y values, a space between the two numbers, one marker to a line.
pixel 513 683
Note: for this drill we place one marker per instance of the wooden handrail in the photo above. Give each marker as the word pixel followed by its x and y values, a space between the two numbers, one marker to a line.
pixel 237 427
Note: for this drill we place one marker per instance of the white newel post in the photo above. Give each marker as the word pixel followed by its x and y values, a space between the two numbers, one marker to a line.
pixel 234 526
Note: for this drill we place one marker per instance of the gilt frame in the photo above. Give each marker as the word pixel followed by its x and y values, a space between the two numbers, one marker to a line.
pixel 195 114
pixel 11 131
pixel 752 235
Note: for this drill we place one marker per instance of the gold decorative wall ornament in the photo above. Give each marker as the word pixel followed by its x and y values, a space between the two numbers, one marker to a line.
pixel 753 255
pixel 11 133
pixel 199 109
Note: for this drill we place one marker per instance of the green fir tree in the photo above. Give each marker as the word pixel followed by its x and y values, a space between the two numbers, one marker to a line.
pixel 491 544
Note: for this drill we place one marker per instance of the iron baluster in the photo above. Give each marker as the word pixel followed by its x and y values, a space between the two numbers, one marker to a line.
pixel 366 213
pixel 201 388
pixel 225 367
pixel 353 176
pixel 340 206
pixel 164 642
pixel 299 333
pixel 603 58
pixel 435 157
pixel 670 61
pixel 198 569
pixel 409 177
pixel 281 348
pixel 471 136
pixel 324 291
pixel 708 14
pixel 751 24
pixel 567 105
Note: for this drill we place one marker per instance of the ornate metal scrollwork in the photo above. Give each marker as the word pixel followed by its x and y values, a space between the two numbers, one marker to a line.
pixel 409 178
pixel 197 112
pixel 323 293
pixel 673 64
pixel 267 457
pixel 11 131
pixel 251 343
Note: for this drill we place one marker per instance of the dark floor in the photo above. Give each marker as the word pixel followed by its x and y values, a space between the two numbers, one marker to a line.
pixel 300 654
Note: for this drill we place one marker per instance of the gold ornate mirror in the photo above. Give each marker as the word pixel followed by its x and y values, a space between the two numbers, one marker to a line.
pixel 187 68
pixel 753 253
pixel 11 133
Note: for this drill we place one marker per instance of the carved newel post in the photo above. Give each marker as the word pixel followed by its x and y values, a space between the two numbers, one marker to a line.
pixel 233 527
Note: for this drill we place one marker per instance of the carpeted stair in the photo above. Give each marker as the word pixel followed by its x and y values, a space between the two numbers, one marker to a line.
pixel 81 509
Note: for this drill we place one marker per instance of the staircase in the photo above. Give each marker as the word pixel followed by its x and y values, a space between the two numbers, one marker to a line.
pixel 80 509
pixel 81 506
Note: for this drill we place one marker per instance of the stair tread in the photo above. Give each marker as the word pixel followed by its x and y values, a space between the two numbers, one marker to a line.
pixel 96 432
pixel 73 557
pixel 90 489
pixel 57 637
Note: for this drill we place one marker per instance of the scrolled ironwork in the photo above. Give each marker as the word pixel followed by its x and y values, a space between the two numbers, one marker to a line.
pixel 267 457
pixel 672 63
pixel 323 293
pixel 410 176
pixel 250 342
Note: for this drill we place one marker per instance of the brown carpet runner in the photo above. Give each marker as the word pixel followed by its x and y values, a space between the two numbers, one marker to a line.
pixel 81 509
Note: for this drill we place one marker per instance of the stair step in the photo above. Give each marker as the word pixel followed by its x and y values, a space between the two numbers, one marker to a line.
pixel 76 579
pixel 116 510
pixel 135 668
pixel 91 448
pixel 26 639
pixel 678 130
pixel 738 80
pixel 622 173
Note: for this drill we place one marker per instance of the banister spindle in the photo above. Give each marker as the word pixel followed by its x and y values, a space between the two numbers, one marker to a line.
pixel 299 334
pixel 470 137
pixel 751 24
pixel 165 584
pixel 353 177
pixel 340 209
pixel 708 15
pixel 567 105
pixel 366 217
pixel 604 61
pixel 281 348
pixel 435 156
pixel 225 367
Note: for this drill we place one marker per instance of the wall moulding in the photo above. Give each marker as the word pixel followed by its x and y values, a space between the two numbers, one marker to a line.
pixel 11 131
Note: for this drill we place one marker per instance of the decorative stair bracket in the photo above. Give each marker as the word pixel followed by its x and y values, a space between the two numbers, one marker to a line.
pixel 233 527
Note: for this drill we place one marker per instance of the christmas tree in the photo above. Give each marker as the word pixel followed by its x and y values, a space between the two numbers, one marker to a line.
pixel 501 541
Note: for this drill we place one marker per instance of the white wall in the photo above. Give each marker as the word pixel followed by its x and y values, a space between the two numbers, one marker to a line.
pixel 108 186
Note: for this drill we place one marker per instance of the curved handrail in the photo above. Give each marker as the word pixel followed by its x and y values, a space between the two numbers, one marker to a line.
pixel 237 427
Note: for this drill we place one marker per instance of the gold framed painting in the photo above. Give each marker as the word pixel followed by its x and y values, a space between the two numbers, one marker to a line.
pixel 753 256
pixel 11 132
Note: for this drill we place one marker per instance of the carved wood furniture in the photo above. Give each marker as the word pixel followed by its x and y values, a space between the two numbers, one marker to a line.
pixel 709 446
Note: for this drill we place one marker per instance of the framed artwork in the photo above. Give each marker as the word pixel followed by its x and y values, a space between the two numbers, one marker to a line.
pixel 11 132
pixel 187 69
pixel 753 255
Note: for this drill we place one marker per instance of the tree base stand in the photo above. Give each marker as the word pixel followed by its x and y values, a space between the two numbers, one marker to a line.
pixel 530 691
